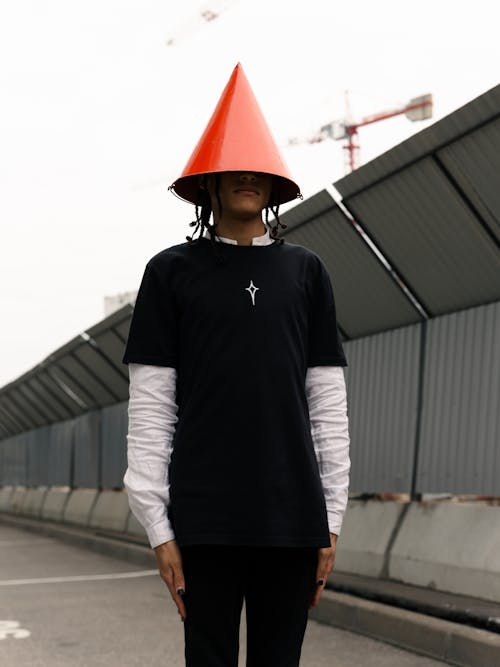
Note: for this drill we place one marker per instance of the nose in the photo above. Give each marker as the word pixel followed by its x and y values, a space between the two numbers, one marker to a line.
pixel 248 177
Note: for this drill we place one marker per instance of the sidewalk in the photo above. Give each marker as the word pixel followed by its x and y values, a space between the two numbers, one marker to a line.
pixel 457 629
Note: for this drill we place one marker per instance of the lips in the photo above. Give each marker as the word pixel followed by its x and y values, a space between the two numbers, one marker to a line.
pixel 247 190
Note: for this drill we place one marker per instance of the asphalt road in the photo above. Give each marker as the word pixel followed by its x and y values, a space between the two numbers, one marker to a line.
pixel 60 605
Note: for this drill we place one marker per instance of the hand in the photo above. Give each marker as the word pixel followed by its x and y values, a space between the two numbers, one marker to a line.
pixel 326 560
pixel 169 562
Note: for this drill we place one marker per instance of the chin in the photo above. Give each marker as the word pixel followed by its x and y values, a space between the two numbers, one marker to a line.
pixel 248 216
pixel 244 213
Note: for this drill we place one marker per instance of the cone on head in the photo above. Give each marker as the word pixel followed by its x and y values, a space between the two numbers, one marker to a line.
pixel 237 138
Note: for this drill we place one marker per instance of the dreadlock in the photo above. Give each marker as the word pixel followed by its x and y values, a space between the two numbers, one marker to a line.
pixel 275 228
pixel 203 211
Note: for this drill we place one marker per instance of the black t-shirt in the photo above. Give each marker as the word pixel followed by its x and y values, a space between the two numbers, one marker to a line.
pixel 241 335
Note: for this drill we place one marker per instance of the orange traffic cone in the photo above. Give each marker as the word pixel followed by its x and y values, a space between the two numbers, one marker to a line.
pixel 237 138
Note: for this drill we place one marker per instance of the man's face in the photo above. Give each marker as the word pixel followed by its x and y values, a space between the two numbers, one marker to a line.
pixel 243 194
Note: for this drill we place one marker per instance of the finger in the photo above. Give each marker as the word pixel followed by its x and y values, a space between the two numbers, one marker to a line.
pixel 174 584
pixel 180 590
pixel 319 583
pixel 325 566
pixel 177 597
pixel 318 579
pixel 323 569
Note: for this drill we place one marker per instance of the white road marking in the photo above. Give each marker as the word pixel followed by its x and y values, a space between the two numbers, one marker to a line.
pixel 13 629
pixel 22 543
pixel 81 577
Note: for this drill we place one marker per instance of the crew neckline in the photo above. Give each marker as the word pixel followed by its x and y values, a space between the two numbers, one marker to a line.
pixel 239 248
pixel 257 241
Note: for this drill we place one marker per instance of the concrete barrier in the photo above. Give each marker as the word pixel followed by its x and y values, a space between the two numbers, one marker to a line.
pixel 110 511
pixel 440 544
pixel 5 496
pixel 55 502
pixel 79 506
pixel 17 499
pixel 365 536
pixel 135 529
pixel 450 546
pixel 33 501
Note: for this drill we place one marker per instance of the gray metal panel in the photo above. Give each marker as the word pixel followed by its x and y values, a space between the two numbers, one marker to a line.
pixel 474 163
pixel 114 428
pixel 367 299
pixel 87 450
pixel 38 402
pixel 123 329
pixel 37 459
pixel 22 407
pixel 466 119
pixel 58 408
pixel 87 382
pixel 48 378
pixel 12 415
pixel 61 453
pixel 459 451
pixel 112 346
pixel 13 459
pixel 382 384
pixel 10 422
pixel 432 238
pixel 114 321
pixel 4 447
pixel 13 412
pixel 111 336
pixel 87 372
pixel 310 208
pixel 113 379
pixel 83 383
pixel 77 395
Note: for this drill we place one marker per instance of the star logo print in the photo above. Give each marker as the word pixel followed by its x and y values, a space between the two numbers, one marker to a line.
pixel 251 289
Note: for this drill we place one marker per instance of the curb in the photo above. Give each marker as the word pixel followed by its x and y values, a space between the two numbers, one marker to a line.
pixel 454 643
pixel 443 640
pixel 461 609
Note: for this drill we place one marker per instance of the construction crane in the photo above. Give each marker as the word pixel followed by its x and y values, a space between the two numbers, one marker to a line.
pixel 206 14
pixel 418 108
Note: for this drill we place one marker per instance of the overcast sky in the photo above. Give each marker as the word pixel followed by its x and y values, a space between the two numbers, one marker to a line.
pixel 98 115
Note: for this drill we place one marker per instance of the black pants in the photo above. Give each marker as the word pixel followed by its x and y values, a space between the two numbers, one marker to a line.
pixel 276 584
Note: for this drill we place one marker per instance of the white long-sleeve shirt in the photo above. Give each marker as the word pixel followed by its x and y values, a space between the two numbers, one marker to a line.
pixel 152 413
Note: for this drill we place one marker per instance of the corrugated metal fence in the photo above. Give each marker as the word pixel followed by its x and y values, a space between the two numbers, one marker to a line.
pixel 460 439
pixel 424 409
pixel 89 451
pixel 382 381
pixel 427 409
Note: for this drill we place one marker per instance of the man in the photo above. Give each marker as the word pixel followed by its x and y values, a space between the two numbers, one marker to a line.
pixel 238 442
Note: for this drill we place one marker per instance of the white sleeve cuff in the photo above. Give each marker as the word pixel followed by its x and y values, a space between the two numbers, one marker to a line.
pixel 160 533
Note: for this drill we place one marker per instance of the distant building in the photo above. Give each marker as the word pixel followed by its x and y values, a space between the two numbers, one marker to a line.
pixel 115 302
